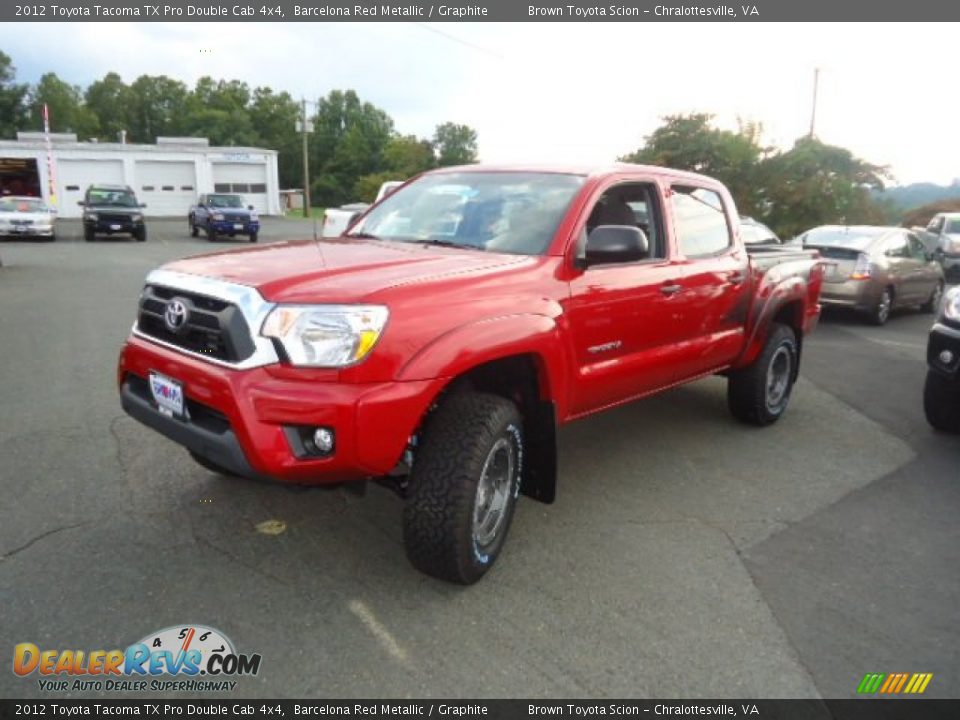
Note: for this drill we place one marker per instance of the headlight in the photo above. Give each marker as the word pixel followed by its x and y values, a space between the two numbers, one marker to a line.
pixel 254 217
pixel 91 216
pixel 951 304
pixel 326 335
pixel 218 216
pixel 136 218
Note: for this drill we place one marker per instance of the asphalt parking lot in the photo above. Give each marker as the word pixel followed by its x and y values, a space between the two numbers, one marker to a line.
pixel 686 555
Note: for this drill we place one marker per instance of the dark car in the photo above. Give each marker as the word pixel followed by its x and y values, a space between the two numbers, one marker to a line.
pixel 223 214
pixel 112 210
pixel 941 394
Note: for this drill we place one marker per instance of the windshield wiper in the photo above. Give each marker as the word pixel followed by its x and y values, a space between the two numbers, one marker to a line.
pixel 446 243
pixel 364 236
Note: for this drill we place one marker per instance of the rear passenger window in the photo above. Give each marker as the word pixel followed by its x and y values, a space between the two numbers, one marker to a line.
pixel 699 221
pixel 898 247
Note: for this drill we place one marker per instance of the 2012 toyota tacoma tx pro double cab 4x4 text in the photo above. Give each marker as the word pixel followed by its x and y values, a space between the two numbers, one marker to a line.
pixel 439 344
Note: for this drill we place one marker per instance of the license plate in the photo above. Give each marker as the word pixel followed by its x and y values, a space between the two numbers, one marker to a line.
pixel 116 227
pixel 238 226
pixel 167 393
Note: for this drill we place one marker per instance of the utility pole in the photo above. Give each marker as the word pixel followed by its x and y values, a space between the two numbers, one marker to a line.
pixel 305 128
pixel 813 112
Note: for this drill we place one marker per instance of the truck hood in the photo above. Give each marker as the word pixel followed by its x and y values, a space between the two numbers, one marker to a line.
pixel 340 270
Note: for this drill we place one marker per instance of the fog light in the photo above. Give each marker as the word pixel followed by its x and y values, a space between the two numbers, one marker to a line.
pixel 323 439
pixel 947 357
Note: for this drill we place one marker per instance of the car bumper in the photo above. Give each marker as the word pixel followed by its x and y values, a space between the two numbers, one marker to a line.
pixel 28 231
pixel 943 350
pixel 949 262
pixel 248 421
pixel 106 227
pixel 235 228
pixel 857 294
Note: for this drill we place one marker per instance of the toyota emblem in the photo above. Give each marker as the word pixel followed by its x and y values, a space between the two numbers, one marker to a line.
pixel 175 316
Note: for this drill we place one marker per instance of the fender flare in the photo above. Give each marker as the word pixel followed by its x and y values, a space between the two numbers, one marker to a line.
pixel 774 297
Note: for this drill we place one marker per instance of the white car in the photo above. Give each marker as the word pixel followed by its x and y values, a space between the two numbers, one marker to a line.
pixel 337 220
pixel 26 217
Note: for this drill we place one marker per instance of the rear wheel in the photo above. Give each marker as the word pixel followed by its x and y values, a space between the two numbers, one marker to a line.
pixel 464 487
pixel 941 402
pixel 759 394
pixel 933 304
pixel 881 311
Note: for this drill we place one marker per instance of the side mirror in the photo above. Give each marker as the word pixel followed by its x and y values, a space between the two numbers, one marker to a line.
pixel 143 205
pixel 608 244
pixel 81 203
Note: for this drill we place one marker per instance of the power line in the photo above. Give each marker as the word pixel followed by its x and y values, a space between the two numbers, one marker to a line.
pixel 460 41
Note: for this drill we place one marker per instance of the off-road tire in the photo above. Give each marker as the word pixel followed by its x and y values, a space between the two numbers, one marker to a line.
pixel 140 235
pixel 941 402
pixel 747 389
pixel 458 439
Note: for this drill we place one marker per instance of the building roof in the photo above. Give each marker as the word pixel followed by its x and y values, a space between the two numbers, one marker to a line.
pixel 36 141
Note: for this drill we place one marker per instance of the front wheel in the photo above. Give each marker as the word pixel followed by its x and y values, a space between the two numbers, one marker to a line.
pixel 254 237
pixel 88 234
pixel 759 394
pixel 193 228
pixel 140 235
pixel 464 487
pixel 941 403
pixel 211 234
pixel 933 303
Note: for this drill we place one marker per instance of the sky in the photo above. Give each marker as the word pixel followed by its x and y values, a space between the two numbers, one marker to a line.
pixel 563 92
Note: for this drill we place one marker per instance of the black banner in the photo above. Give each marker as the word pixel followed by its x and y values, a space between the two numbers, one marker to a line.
pixel 482 11
pixel 872 709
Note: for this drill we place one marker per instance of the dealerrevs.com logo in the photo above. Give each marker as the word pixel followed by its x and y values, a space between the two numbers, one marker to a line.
pixel 189 658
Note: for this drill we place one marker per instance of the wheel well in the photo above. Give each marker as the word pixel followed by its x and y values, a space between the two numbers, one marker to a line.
pixel 522 380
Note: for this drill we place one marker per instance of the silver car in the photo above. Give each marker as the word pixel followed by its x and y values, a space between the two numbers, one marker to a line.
pixel 875 269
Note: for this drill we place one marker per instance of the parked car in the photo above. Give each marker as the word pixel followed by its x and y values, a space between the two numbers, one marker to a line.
pixel 223 214
pixel 439 344
pixel 941 393
pixel 337 220
pixel 875 269
pixel 26 217
pixel 753 232
pixel 942 236
pixel 112 210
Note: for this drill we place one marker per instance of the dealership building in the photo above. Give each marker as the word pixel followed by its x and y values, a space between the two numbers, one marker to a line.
pixel 167 177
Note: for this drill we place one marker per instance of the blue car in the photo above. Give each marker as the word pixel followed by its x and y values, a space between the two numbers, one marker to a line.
pixel 220 214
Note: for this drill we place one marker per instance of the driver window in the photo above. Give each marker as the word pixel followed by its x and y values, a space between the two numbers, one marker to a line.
pixel 632 204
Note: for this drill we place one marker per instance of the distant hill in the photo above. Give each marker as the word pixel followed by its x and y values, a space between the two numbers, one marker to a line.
pixel 908 197
pixel 921 215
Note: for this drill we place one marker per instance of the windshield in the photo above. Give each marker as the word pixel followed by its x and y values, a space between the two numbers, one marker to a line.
pixel 845 237
pixel 510 212
pixel 112 198
pixel 22 205
pixel 953 226
pixel 225 201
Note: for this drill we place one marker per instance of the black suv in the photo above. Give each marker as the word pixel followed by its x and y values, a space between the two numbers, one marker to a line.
pixel 111 210
pixel 941 395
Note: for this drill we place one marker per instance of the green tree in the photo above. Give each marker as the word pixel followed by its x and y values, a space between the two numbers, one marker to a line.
pixel 108 99
pixel 690 142
pixel 455 144
pixel 814 183
pixel 218 110
pixel 13 110
pixel 157 107
pixel 274 117
pixel 408 155
pixel 68 113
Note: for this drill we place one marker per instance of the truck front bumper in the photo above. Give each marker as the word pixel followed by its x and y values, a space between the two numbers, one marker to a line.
pixel 226 227
pixel 943 351
pixel 250 422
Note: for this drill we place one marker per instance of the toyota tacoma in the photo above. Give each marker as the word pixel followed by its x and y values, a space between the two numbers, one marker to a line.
pixel 438 345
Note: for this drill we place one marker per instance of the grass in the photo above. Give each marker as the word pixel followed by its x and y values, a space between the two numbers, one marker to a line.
pixel 314 213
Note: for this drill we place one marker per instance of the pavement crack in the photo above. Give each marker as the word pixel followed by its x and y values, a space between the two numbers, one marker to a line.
pixel 42 536
pixel 230 556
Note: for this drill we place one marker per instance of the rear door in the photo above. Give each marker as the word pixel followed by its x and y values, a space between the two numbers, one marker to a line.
pixel 902 268
pixel 714 297
pixel 928 274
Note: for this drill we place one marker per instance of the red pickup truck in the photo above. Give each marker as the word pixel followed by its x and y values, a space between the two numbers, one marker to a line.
pixel 437 346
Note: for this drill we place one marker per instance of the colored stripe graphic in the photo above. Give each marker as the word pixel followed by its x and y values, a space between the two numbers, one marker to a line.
pixel 894 683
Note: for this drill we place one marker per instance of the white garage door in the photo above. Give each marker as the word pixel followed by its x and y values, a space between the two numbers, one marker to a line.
pixel 168 187
pixel 246 179
pixel 74 176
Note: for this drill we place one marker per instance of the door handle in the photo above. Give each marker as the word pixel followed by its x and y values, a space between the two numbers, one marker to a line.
pixel 670 288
